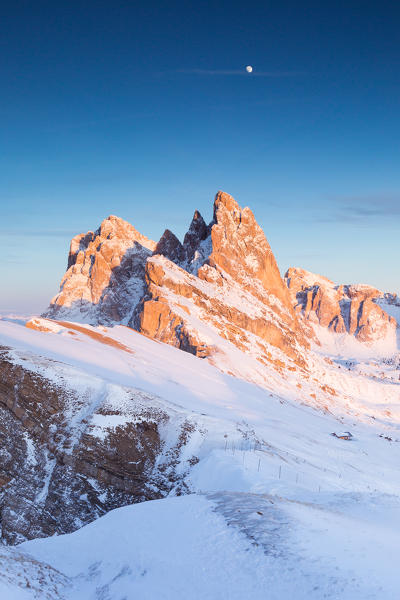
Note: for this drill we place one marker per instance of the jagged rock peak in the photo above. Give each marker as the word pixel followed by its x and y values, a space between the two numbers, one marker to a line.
pixel 111 228
pixel 197 232
pixel 301 279
pixel 197 228
pixel 240 248
pixel 170 247
pixel 105 276
pixel 115 227
pixel 224 200
pixel 245 296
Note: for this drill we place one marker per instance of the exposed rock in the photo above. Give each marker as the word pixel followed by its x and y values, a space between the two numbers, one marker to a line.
pixel 197 233
pixel 224 275
pixel 354 309
pixel 240 249
pixel 105 277
pixel 238 291
pixel 62 461
pixel 170 247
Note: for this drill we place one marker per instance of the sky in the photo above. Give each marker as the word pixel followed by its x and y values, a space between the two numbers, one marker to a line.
pixel 145 110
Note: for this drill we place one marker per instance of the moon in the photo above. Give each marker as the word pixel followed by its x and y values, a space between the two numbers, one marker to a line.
pixel 249 69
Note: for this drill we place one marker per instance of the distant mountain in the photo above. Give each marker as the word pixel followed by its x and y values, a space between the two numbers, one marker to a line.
pixel 361 311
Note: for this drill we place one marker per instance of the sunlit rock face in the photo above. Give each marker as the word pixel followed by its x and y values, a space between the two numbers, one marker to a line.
pixel 359 310
pixel 227 286
pixel 222 284
pixel 240 249
pixel 104 281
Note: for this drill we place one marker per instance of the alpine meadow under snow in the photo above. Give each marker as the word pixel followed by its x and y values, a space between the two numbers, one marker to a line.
pixel 183 422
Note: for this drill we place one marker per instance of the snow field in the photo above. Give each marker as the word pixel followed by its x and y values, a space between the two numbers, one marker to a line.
pixel 279 509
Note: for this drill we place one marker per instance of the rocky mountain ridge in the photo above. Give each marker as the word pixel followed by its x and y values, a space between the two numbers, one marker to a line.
pixel 223 281
pixel 361 311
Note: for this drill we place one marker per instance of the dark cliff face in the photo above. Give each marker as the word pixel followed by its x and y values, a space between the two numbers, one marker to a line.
pixel 170 247
pixel 56 472
pixel 198 231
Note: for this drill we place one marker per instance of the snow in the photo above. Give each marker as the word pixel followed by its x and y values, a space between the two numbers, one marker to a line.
pixel 24 578
pixel 280 508
pixel 344 345
pixel 229 293
pixel 30 450
pixel 202 253
pixel 50 465
pixel 229 545
pixel 174 548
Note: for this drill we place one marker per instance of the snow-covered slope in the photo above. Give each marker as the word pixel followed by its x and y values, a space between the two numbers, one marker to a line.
pixel 219 546
pixel 277 506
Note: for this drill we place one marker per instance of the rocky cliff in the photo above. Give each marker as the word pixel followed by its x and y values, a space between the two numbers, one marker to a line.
pixel 73 447
pixel 359 310
pixel 227 286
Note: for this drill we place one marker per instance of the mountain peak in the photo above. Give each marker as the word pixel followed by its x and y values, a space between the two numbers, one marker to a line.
pixel 222 199
pixel 197 232
pixel 170 247
pixel 240 248
pixel 105 275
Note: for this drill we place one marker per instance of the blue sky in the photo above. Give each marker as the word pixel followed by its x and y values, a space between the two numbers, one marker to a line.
pixel 146 111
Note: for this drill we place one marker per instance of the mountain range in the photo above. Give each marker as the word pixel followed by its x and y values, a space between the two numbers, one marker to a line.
pixel 222 282
pixel 168 369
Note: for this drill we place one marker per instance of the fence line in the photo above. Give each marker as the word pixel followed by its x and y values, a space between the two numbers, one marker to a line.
pixel 256 446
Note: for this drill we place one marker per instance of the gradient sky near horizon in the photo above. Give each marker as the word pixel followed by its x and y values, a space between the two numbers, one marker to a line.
pixel 144 110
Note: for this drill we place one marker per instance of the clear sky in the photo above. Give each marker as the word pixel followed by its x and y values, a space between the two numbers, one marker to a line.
pixel 144 110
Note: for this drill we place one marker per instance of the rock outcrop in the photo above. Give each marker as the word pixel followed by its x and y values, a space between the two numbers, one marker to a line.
pixel 197 233
pixel 358 310
pixel 68 456
pixel 170 247
pixel 104 281
pixel 240 249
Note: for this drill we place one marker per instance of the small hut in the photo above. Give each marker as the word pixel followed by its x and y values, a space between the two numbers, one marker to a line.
pixel 346 435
